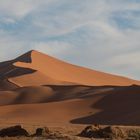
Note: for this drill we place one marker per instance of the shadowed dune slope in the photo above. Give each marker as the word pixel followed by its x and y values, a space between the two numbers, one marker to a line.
pixel 45 94
pixel 119 106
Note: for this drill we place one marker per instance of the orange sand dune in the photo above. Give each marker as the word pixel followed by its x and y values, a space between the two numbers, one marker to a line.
pixel 45 94
pixel 57 113
pixel 48 70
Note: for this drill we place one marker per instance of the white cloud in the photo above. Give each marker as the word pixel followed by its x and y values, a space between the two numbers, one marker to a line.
pixel 98 34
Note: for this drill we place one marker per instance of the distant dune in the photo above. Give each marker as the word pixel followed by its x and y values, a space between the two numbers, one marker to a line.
pixel 39 88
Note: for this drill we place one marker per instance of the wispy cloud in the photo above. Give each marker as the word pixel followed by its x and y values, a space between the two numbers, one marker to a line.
pixel 98 34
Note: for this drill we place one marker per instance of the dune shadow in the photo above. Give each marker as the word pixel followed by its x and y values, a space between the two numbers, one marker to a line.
pixel 5 84
pixel 8 70
pixel 15 71
pixel 67 92
pixel 118 107
pixel 24 58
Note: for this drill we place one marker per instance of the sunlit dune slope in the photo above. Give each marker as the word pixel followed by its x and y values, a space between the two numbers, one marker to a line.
pixel 41 69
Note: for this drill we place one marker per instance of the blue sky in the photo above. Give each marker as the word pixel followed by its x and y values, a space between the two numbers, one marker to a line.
pixel 99 34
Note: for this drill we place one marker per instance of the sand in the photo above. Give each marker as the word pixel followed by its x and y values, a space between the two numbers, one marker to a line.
pixel 58 70
pixel 38 89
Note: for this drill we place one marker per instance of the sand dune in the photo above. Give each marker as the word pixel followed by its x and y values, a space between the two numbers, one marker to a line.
pixel 39 88
pixel 72 104
pixel 56 113
pixel 41 67
pixel 119 106
pixel 7 97
pixel 45 94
